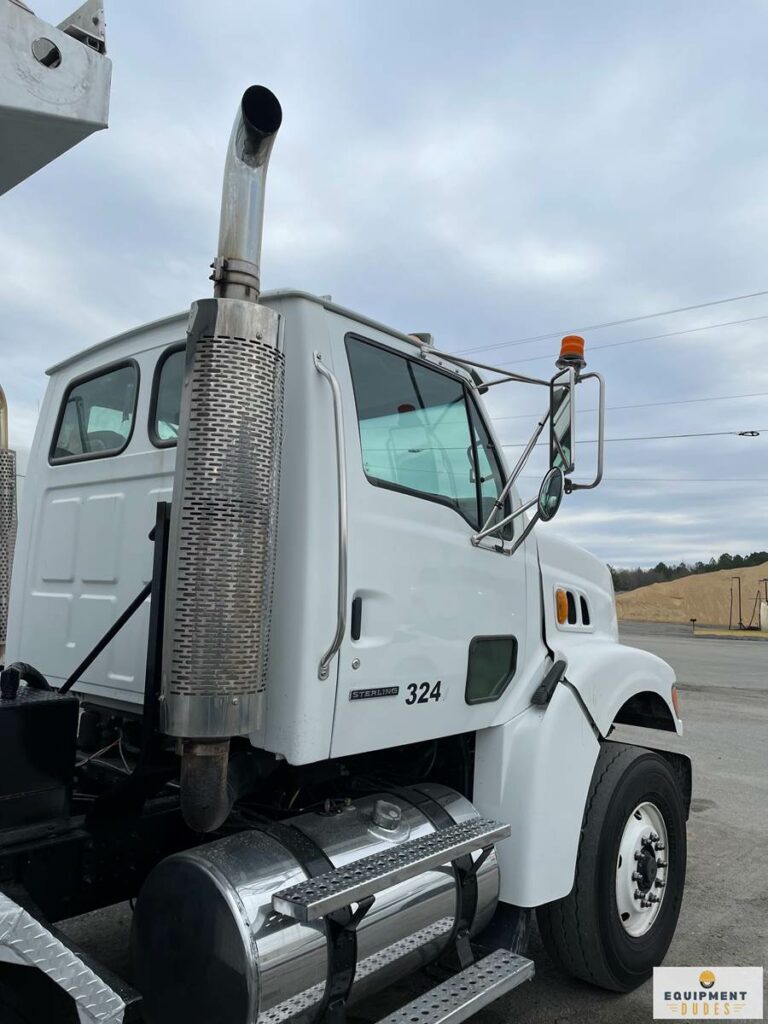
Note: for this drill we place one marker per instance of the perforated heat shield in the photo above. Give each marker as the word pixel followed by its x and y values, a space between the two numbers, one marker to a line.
pixel 223 522
pixel 7 533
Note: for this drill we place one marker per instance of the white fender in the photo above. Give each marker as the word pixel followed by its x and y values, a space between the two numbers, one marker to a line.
pixel 534 772
pixel 606 674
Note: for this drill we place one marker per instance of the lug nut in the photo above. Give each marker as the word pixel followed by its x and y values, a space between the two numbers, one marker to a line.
pixel 653 898
pixel 637 895
pixel 638 856
pixel 660 883
pixel 653 838
pixel 661 863
pixel 636 876
pixel 659 846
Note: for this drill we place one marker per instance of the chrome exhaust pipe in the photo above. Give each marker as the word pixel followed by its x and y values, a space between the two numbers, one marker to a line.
pixel 225 491
pixel 7 520
pixel 237 267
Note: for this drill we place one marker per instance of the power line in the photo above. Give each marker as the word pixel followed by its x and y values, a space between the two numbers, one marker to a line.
pixel 660 437
pixel 649 337
pixel 609 323
pixel 672 479
pixel 645 405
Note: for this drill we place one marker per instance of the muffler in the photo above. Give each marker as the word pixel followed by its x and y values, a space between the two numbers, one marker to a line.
pixel 224 510
pixel 7 520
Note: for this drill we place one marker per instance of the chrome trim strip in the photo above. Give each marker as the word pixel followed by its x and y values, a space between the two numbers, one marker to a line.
pixel 338 422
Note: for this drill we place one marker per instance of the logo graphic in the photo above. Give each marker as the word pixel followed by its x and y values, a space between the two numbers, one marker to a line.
pixel 373 692
pixel 696 993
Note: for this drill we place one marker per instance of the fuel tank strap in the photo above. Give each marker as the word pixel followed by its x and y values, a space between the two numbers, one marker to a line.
pixel 340 933
pixel 306 851
pixel 464 869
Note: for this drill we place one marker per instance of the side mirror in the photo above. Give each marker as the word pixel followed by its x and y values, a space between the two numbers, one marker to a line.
pixel 550 494
pixel 561 424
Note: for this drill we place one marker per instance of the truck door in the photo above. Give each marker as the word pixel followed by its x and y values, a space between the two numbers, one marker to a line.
pixel 436 631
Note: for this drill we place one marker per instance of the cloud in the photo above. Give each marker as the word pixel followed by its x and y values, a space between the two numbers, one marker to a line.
pixel 484 177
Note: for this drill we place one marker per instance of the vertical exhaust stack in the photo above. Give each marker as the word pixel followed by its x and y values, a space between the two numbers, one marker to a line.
pixel 224 511
pixel 7 520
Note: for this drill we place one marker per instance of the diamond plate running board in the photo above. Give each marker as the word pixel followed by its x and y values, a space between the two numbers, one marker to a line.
pixel 24 940
pixel 467 992
pixel 327 893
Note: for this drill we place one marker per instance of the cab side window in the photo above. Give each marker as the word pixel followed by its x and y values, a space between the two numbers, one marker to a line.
pixel 165 405
pixel 420 433
pixel 97 415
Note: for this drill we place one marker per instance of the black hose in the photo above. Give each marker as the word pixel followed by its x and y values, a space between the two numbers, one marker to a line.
pixel 34 679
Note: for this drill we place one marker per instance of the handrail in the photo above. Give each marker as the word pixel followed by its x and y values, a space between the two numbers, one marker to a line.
pixel 338 421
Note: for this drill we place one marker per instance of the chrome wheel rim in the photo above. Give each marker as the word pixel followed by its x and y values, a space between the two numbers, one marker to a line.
pixel 641 869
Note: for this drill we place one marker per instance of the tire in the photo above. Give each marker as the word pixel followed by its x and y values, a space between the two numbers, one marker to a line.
pixel 27 996
pixel 585 932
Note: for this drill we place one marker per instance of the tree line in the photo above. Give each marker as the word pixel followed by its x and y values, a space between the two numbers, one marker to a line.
pixel 630 579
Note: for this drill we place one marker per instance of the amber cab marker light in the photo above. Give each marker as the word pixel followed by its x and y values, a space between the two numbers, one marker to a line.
pixel 561 605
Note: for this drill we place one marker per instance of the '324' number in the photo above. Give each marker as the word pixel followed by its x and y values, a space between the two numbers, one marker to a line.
pixel 422 693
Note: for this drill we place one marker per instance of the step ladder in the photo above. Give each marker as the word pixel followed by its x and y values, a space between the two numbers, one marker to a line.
pixel 344 896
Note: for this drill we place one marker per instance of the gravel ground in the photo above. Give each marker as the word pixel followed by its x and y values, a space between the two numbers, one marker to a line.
pixel 724 920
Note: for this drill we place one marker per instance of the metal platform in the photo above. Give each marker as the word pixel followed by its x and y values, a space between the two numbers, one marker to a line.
pixel 327 893
pixel 466 992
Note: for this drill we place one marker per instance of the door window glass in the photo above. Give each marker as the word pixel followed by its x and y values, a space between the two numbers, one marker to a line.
pixel 97 415
pixel 414 428
pixel 421 432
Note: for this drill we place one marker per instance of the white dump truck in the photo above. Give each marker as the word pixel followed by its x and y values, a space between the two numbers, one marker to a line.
pixel 290 665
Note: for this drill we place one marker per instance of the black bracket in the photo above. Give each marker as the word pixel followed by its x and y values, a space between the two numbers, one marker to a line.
pixel 465 869
pixel 342 960
pixel 154 767
pixel 542 695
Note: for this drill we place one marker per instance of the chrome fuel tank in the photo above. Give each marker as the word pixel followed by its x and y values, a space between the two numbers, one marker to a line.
pixel 207 945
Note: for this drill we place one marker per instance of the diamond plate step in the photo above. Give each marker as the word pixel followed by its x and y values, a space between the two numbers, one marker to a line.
pixel 467 992
pixel 326 893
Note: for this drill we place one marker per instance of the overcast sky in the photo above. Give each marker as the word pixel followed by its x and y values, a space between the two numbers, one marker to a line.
pixel 484 171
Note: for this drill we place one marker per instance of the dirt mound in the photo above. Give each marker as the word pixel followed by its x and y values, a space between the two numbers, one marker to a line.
pixel 705 597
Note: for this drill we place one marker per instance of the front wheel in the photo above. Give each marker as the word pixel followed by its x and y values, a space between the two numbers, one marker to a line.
pixel 617 922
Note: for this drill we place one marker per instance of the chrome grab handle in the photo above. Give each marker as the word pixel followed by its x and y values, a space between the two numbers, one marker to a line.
pixel 338 421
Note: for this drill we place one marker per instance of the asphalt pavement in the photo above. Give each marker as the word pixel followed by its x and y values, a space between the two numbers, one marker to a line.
pixel 724 920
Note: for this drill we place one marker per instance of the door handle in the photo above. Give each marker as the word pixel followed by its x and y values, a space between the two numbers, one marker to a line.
pixel 357 618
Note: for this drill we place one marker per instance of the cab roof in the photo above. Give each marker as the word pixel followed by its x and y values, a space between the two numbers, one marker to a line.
pixel 281 293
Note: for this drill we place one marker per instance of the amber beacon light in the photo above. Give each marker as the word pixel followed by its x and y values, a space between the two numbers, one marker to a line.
pixel 572 352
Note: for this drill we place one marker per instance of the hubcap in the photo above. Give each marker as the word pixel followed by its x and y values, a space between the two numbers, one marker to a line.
pixel 641 869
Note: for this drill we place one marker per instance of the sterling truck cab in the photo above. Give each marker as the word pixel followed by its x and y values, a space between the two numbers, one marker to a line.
pixel 351 708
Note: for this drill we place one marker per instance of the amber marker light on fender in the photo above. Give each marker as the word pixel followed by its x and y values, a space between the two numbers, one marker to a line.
pixel 676 701
pixel 561 606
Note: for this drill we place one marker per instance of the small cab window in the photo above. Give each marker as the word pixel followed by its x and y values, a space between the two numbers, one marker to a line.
pixel 165 408
pixel 97 415
pixel 491 666
pixel 420 432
